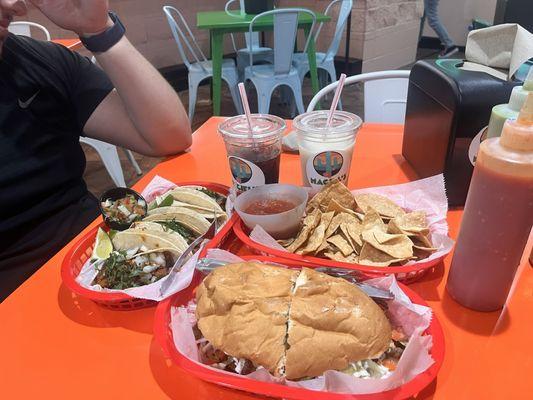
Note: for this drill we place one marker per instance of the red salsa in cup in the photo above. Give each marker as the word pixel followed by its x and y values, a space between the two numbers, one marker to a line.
pixel 269 206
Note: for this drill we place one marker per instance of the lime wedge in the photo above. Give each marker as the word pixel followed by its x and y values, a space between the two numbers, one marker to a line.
pixel 103 246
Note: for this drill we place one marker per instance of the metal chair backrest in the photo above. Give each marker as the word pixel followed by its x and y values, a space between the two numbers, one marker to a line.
pixel 344 12
pixel 23 28
pixel 254 38
pixel 181 36
pixel 285 28
pixel 385 95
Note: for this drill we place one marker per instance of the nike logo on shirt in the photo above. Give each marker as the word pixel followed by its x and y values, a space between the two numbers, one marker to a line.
pixel 25 104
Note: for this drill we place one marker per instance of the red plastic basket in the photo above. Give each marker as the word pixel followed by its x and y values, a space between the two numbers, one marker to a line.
pixel 163 335
pixel 405 274
pixel 81 251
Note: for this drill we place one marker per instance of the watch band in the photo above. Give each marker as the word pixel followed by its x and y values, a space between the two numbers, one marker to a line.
pixel 104 41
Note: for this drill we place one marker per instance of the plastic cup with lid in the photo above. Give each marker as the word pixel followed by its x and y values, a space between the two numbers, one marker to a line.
pixel 253 158
pixel 326 151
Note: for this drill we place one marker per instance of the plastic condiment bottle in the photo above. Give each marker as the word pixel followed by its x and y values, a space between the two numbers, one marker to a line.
pixel 497 218
pixel 503 112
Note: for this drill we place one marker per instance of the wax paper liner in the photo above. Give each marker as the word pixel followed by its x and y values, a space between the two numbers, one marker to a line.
pixel 427 195
pixel 413 318
pixel 181 280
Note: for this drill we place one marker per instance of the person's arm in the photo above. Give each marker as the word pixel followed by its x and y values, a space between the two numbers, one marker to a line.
pixel 143 113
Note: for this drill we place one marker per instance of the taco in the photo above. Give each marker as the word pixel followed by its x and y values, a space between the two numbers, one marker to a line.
pixel 139 258
pixel 164 232
pixel 188 218
pixel 196 197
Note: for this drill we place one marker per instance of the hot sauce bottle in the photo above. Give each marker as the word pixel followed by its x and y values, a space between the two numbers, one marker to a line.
pixel 497 218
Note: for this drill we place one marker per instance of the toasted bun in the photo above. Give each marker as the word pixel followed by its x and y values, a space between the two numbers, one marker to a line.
pixel 332 323
pixel 296 324
pixel 242 309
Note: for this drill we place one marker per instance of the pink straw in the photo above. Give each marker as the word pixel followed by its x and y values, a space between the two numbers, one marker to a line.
pixel 335 101
pixel 246 107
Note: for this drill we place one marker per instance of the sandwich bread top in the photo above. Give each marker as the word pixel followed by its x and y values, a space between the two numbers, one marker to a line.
pixel 294 323
pixel 242 309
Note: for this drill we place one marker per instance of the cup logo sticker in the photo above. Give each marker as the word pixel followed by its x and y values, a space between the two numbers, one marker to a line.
pixel 240 170
pixel 320 168
pixel 246 175
pixel 328 163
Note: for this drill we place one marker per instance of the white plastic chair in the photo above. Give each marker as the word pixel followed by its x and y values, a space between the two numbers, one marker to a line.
pixel 326 61
pixel 267 77
pixel 201 68
pixel 385 95
pixel 261 54
pixel 23 28
pixel 108 154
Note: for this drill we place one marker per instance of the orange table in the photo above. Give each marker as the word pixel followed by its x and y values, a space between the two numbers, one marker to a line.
pixel 71 44
pixel 56 345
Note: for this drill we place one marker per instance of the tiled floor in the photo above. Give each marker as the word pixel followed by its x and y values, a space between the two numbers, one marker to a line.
pixel 98 180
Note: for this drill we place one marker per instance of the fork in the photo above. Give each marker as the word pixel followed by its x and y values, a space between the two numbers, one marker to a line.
pixel 209 234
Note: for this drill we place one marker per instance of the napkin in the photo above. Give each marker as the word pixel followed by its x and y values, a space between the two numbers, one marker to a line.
pixel 289 143
pixel 498 50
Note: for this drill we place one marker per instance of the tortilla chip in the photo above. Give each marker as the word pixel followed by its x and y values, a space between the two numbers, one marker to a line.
pixel 342 244
pixel 385 207
pixel 335 206
pixel 286 242
pixel 372 219
pixel 323 247
pixel 423 241
pixel 309 223
pixel 411 224
pixel 342 195
pixel 334 189
pixel 420 253
pixel 397 246
pixel 374 257
pixel 338 220
pixel 339 257
pixel 326 219
pixel 315 240
pixel 352 232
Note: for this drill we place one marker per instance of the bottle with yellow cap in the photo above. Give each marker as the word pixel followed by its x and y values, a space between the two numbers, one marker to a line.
pixel 497 218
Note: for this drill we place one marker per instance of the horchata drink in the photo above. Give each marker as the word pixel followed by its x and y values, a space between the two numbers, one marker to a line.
pixel 326 151
pixel 253 158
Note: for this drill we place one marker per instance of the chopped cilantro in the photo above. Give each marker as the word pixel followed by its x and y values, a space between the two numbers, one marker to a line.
pixel 220 199
pixel 117 272
pixel 187 233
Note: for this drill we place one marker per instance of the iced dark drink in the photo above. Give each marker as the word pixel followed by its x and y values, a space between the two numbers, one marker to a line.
pixel 253 159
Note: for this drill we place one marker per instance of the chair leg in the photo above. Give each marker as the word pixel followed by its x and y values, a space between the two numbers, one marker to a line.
pixel 193 91
pixel 132 161
pixel 233 89
pixel 264 94
pixel 108 154
pixel 297 92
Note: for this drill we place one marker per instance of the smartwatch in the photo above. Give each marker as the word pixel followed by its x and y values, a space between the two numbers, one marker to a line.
pixel 104 41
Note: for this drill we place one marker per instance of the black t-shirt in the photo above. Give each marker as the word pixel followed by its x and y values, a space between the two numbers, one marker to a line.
pixel 47 94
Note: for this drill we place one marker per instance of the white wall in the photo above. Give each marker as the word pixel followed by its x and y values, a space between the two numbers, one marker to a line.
pixel 456 16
